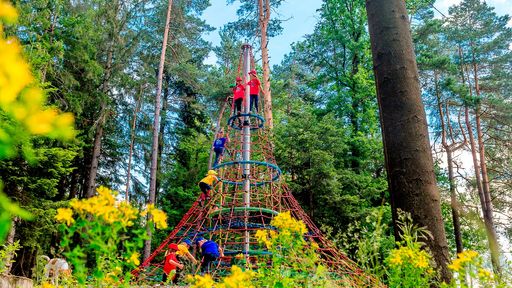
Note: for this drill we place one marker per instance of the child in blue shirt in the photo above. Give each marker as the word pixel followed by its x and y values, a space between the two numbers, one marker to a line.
pixel 218 146
pixel 210 251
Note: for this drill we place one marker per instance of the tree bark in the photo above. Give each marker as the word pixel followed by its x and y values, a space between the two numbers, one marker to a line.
pixel 10 241
pixel 96 151
pixel 486 208
pixel 409 163
pixel 264 18
pixel 156 126
pixel 449 149
pixel 132 141
pixel 161 143
pixel 489 221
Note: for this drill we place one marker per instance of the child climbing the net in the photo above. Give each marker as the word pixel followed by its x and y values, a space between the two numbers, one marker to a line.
pixel 171 264
pixel 219 146
pixel 206 186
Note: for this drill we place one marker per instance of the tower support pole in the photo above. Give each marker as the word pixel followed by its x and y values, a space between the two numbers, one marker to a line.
pixel 246 142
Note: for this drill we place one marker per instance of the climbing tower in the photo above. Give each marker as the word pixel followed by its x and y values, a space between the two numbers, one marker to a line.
pixel 251 192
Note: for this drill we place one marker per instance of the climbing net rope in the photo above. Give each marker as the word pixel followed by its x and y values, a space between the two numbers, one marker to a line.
pixel 236 211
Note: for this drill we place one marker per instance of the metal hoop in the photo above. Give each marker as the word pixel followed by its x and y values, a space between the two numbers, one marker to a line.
pixel 259 163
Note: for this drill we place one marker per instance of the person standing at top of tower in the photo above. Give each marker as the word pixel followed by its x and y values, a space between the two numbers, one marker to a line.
pixel 206 186
pixel 255 86
pixel 238 95
pixel 219 145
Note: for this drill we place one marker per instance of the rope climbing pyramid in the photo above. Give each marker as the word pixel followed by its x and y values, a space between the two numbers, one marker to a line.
pixel 249 194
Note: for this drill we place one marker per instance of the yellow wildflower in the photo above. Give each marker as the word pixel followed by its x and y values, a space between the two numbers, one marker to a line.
pixel 199 281
pixel 284 221
pixel 7 12
pixel 395 258
pixel 14 71
pixel 65 215
pixel 238 278
pixel 47 285
pixel 456 265
pixel 160 218
pixel 484 274
pixel 421 260
pixel 467 255
pixel 40 123
pixel 134 258
pixel 106 194
pixel 261 235
pixel 148 209
pixel 128 213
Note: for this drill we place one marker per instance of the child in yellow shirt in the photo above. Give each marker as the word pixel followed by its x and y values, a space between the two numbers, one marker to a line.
pixel 206 186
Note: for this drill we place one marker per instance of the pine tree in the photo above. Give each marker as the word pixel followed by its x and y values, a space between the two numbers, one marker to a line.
pixel 409 164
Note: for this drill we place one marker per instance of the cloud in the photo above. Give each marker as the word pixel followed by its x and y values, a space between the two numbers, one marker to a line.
pixel 443 5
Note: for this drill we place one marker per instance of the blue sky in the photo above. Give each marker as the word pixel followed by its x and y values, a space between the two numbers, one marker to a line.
pixel 302 16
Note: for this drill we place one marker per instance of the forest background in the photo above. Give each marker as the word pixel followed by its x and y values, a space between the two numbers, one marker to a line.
pixel 99 59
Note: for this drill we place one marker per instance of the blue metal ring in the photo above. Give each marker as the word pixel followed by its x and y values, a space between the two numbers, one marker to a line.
pixel 261 183
pixel 231 121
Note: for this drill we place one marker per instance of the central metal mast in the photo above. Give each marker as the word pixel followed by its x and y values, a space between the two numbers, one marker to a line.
pixel 246 142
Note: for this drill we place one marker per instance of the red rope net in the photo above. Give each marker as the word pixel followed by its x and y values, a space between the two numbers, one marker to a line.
pixel 226 220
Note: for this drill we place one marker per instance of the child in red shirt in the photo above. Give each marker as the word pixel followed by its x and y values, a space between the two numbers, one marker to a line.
pixel 238 95
pixel 254 85
pixel 171 262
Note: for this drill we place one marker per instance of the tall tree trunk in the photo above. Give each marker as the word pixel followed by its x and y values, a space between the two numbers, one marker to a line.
pixel 354 121
pixel 10 241
pixel 100 123
pixel 132 142
pixel 96 151
pixel 105 88
pixel 73 185
pixel 161 143
pixel 449 158
pixel 409 163
pixel 486 209
pixel 489 221
pixel 156 126
pixel 264 18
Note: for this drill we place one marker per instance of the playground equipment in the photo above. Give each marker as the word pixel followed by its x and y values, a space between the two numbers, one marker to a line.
pixel 250 193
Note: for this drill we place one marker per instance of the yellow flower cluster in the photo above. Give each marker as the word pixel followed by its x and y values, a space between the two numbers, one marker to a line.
pixel 418 258
pixel 237 279
pixel 112 277
pixel 65 215
pixel 159 217
pixel 46 284
pixel 105 207
pixel 18 95
pixel 485 274
pixel 262 237
pixel 462 258
pixel 287 225
pixel 285 222
pixel 199 281
pixel 134 258
pixel 7 12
